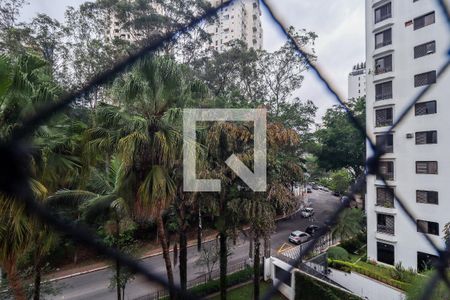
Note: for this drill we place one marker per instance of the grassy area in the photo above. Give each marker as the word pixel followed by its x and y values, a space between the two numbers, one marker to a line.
pixel 246 292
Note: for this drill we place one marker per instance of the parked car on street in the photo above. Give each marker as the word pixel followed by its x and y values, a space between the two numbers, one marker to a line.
pixel 308 190
pixel 312 229
pixel 315 187
pixel 298 237
pixel 307 212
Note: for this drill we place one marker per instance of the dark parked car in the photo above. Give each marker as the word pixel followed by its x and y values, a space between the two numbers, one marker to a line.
pixel 315 187
pixel 312 229
pixel 308 190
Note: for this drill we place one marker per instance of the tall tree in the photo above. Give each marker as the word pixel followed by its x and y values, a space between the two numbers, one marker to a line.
pixel 341 145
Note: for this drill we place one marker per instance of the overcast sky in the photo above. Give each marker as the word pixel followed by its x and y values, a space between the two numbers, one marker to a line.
pixel 338 23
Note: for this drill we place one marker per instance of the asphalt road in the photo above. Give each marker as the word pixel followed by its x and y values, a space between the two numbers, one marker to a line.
pixel 95 285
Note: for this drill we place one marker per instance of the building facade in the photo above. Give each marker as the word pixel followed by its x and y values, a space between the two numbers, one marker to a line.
pixel 357 81
pixel 239 21
pixel 406 43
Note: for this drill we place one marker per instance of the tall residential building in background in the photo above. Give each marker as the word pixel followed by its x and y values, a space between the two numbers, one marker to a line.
pixel 239 21
pixel 357 81
pixel 406 43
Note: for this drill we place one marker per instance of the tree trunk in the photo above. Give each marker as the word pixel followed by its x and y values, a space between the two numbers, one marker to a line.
pixel 199 228
pixel 14 281
pixel 118 283
pixel 37 278
pixel 183 260
pixel 166 254
pixel 250 246
pixel 256 269
pixel 223 265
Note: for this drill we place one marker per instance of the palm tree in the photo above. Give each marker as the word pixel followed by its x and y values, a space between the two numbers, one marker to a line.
pixel 150 153
pixel 261 214
pixel 27 85
pixel 350 223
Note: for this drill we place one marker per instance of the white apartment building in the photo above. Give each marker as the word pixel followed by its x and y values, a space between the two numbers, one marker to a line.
pixel 357 81
pixel 406 43
pixel 239 21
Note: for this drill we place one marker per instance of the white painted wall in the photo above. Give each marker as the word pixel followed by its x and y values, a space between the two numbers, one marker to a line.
pixel 407 241
pixel 365 287
pixel 287 291
pixel 357 84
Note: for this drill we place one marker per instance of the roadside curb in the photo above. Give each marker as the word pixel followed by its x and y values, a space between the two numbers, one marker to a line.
pixel 208 239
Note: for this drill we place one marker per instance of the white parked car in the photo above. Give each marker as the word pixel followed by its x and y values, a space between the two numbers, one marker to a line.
pixel 307 212
pixel 298 237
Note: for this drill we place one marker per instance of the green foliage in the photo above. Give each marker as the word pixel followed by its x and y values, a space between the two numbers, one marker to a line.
pixel 401 274
pixel 353 245
pixel 214 285
pixel 340 181
pixel 338 253
pixel 415 291
pixel 350 224
pixel 348 267
pixel 307 288
pixel 341 145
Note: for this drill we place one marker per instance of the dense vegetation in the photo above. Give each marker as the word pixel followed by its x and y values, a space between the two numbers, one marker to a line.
pixel 113 161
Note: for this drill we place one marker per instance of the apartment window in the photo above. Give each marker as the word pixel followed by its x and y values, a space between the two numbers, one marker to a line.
pixel 427 197
pixel 425 261
pixel 383 12
pixel 426 137
pixel 428 227
pixel 425 49
pixel 425 78
pixel 383 90
pixel 426 167
pixel 383 117
pixel 226 17
pixel 383 64
pixel 386 169
pixel 423 21
pixel 226 30
pixel 385 253
pixel 385 142
pixel 385 197
pixel 385 224
pixel 383 38
pixel 426 108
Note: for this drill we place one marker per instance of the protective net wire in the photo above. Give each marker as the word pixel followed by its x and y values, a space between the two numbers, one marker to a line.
pixel 14 174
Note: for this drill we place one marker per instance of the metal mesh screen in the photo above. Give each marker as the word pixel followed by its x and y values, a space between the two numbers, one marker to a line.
pixel 14 173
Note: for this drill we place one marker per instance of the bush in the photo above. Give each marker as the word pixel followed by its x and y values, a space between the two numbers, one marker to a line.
pixel 213 286
pixel 401 274
pixel 352 245
pixel 338 253
pixel 307 288
pixel 347 267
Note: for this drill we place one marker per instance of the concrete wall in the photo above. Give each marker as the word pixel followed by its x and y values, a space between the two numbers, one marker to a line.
pixel 365 287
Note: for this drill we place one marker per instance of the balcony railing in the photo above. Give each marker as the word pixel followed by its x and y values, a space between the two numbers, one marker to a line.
pixel 381 70
pixel 382 44
pixel 383 96
pixel 385 229
pixel 388 203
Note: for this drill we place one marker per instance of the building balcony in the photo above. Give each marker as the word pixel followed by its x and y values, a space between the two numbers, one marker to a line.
pixel 385 209
pixel 386 237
